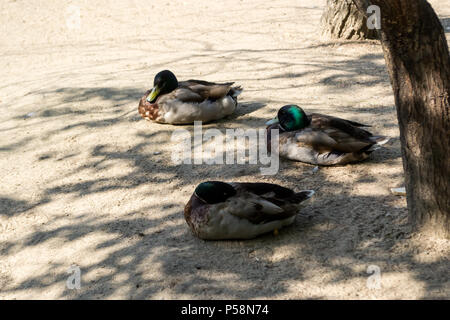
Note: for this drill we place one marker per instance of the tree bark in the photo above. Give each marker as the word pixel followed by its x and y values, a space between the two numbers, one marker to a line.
pixel 342 20
pixel 418 61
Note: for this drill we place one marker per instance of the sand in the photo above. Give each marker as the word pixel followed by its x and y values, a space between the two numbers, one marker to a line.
pixel 87 183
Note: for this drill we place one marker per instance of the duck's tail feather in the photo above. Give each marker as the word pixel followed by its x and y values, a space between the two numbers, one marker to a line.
pixel 235 91
pixel 302 196
pixel 379 141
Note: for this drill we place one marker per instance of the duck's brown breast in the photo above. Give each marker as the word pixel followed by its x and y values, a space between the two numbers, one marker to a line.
pixel 148 111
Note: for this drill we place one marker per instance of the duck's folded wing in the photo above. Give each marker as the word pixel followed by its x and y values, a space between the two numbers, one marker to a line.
pixel 185 94
pixel 331 139
pixel 321 121
pixel 267 202
pixel 207 90
pixel 330 133
pixel 257 210
pixel 261 188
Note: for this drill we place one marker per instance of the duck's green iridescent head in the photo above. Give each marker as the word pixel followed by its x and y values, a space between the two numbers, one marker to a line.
pixel 164 82
pixel 292 117
pixel 213 192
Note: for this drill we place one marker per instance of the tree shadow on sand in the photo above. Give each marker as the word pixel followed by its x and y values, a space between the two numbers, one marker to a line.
pixel 151 254
pixel 253 269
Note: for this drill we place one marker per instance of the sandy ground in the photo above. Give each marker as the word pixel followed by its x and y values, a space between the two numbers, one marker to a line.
pixel 82 185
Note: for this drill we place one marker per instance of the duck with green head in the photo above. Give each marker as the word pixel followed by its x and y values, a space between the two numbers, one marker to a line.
pixel 321 139
pixel 219 210
pixel 174 102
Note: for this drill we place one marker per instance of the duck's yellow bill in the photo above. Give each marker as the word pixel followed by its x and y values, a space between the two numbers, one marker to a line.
pixel 273 121
pixel 153 95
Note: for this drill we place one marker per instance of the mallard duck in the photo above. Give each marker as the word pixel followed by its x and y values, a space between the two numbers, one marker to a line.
pixel 219 210
pixel 320 139
pixel 184 102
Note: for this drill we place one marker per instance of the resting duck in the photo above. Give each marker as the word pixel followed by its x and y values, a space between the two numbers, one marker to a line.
pixel 184 102
pixel 320 139
pixel 219 210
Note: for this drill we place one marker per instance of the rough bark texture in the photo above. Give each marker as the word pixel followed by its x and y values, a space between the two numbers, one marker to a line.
pixel 418 61
pixel 342 20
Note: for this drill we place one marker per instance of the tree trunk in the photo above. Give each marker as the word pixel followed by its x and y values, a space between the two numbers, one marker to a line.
pixel 418 61
pixel 342 20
